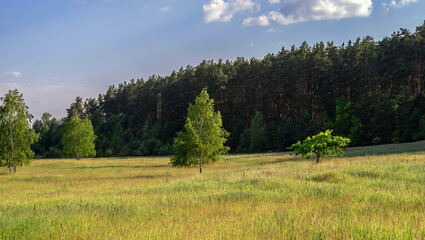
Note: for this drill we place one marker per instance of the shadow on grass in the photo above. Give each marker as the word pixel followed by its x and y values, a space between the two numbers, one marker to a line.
pixel 99 167
pixel 386 149
pixel 122 166
pixel 142 177
pixel 284 160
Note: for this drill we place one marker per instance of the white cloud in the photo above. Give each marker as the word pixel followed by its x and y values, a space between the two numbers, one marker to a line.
pixel 14 74
pixel 271 30
pixel 294 11
pixel 259 21
pixel 222 11
pixel 54 99
pixel 165 9
pixel 398 4
pixel 274 1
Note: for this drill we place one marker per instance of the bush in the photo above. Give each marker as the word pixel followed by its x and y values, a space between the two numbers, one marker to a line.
pixel 109 153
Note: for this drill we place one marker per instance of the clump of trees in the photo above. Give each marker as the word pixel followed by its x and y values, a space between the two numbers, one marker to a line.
pixel 371 91
pixel 203 138
pixel 322 145
pixel 16 134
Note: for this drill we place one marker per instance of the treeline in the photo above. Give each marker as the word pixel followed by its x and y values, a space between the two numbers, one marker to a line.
pixel 370 91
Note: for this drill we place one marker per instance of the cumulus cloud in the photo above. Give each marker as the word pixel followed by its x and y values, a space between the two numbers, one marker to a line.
pixel 222 11
pixel 397 4
pixel 165 9
pixel 259 21
pixel 274 1
pixel 14 74
pixel 294 11
pixel 54 99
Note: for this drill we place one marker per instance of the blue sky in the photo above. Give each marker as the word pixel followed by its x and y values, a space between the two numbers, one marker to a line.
pixel 55 50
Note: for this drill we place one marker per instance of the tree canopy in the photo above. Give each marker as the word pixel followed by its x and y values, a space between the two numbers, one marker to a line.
pixel 78 138
pixel 322 145
pixel 371 91
pixel 203 138
pixel 16 134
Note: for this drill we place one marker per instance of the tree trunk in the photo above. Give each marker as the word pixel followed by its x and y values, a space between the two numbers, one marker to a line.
pixel 317 158
pixel 202 151
pixel 12 144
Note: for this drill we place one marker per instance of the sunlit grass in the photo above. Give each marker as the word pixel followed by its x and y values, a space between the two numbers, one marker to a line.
pixel 260 196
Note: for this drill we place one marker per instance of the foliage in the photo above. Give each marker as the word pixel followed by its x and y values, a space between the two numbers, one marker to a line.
pixel 50 132
pixel 381 81
pixel 254 138
pixel 16 135
pixel 203 139
pixel 383 123
pixel 78 138
pixel 234 139
pixel 343 120
pixel 322 145
pixel 306 126
pixel 284 136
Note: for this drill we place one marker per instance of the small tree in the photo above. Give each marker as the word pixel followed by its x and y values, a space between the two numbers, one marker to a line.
pixel 16 134
pixel 78 138
pixel 203 139
pixel 322 144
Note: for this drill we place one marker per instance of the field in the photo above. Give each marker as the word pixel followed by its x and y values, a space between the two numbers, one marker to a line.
pixel 371 193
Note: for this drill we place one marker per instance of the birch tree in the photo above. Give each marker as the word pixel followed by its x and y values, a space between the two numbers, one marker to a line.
pixel 16 134
pixel 203 138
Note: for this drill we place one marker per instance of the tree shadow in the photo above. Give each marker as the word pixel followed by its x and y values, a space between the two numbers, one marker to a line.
pixel 284 160
pixel 121 166
pixel 99 167
pixel 385 149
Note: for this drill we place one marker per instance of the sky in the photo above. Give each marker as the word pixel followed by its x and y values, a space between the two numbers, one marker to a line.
pixel 55 50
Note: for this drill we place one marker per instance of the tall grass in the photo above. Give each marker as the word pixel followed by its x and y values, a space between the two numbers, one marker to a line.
pixel 260 196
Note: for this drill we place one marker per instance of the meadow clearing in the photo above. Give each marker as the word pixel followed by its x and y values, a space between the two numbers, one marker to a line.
pixel 371 193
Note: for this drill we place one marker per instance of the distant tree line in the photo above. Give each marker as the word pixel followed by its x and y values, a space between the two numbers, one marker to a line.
pixel 369 91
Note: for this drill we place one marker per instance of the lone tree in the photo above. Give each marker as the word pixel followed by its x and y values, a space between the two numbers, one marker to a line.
pixel 16 134
pixel 322 144
pixel 203 138
pixel 78 138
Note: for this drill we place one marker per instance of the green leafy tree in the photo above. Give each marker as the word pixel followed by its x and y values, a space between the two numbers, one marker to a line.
pixel 203 138
pixel 322 145
pixel 16 134
pixel 254 139
pixel 78 138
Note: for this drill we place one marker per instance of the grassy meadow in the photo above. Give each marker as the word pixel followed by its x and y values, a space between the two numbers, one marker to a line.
pixel 371 193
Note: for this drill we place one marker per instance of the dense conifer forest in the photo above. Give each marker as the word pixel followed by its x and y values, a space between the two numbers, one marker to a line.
pixel 370 91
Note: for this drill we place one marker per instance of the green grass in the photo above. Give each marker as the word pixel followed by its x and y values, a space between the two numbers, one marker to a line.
pixel 369 194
